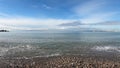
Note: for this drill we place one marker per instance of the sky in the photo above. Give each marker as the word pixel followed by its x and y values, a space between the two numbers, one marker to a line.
pixel 48 14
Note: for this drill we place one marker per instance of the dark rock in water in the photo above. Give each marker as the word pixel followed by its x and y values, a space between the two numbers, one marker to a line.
pixel 4 31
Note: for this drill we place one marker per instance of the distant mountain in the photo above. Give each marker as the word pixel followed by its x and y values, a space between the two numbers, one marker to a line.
pixel 76 23
pixel 108 23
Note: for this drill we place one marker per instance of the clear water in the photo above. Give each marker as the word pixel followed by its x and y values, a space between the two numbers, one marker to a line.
pixel 52 43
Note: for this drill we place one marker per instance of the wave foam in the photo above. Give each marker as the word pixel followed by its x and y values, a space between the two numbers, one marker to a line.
pixel 106 48
pixel 8 50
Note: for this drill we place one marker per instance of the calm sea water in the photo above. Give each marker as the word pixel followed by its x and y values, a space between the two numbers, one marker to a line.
pixel 53 43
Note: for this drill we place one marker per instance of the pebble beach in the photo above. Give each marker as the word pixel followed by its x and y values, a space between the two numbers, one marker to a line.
pixel 69 61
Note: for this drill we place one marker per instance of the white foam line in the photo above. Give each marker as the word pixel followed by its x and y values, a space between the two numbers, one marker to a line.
pixel 106 48
pixel 4 50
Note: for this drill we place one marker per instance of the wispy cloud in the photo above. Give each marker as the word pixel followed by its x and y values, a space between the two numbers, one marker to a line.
pixel 98 17
pixel 89 7
pixel 42 23
pixel 32 21
pixel 8 27
pixel 110 23
pixel 46 6
pixel 94 11
pixel 8 21
pixel 75 23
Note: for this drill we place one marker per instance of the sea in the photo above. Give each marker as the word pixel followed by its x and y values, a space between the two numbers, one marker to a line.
pixel 19 44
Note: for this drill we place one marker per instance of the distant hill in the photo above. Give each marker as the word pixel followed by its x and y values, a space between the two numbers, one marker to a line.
pixel 4 31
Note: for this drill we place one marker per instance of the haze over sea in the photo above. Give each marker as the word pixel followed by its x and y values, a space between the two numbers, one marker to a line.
pixel 53 43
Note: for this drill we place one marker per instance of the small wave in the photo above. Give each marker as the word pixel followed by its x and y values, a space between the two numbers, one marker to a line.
pixel 49 55
pixel 56 54
pixel 21 47
pixel 106 48
pixel 26 57
pixel 3 51
pixel 14 49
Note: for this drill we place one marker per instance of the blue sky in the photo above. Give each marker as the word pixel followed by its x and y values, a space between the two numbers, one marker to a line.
pixel 46 14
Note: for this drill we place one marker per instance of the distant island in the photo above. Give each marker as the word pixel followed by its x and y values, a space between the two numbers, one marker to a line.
pixel 4 31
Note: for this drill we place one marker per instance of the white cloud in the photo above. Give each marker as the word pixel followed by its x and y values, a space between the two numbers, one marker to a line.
pixel 20 22
pixel 20 28
pixel 32 21
pixel 6 27
pixel 42 23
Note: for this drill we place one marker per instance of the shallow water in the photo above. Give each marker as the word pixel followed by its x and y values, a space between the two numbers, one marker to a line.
pixel 53 43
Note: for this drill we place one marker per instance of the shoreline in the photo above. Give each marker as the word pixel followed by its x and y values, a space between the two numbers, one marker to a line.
pixel 64 61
